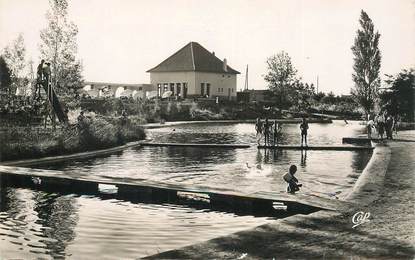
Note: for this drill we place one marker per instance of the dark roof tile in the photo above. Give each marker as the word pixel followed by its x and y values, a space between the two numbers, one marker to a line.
pixel 193 57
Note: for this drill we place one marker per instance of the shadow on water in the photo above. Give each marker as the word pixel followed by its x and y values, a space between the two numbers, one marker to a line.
pixel 361 158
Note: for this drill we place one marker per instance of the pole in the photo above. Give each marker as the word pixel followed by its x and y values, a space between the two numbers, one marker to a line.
pixel 317 84
pixel 246 78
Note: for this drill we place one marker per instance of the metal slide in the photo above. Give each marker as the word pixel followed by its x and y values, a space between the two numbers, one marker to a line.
pixel 54 101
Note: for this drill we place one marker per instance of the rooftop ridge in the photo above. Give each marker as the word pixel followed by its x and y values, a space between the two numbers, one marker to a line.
pixel 193 57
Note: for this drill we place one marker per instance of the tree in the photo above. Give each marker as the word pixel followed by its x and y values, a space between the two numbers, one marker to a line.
pixel 399 99
pixel 367 62
pixel 59 47
pixel 5 76
pixel 301 95
pixel 281 76
pixel 15 57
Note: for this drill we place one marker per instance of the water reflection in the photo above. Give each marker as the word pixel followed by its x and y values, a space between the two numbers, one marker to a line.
pixel 38 224
pixel 182 156
pixel 303 158
pixel 58 217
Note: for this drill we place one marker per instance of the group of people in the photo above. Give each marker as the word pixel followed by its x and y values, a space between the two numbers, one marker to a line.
pixel 271 131
pixel 384 124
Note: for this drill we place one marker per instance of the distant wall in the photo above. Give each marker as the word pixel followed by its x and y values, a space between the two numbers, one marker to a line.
pixel 221 85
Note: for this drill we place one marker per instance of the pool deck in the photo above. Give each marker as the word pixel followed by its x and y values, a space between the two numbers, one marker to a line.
pixel 74 156
pixel 317 148
pixel 272 147
pixel 281 120
pixel 386 190
pixel 129 187
pixel 195 145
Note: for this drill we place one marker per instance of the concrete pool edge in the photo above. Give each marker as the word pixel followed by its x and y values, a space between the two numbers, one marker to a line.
pixel 73 156
pixel 367 187
pixel 179 123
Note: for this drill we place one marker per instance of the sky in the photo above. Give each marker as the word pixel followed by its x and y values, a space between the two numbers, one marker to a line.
pixel 119 40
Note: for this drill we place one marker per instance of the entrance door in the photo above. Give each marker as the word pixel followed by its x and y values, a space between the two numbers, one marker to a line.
pixel 172 88
pixel 202 89
pixel 229 93
pixel 178 89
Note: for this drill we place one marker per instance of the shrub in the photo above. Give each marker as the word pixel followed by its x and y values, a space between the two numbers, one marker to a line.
pixel 91 134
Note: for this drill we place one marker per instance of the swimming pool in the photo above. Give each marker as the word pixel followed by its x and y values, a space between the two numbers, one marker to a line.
pixel 39 224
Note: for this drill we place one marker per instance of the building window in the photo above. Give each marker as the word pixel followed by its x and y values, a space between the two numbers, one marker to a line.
pixel 202 89
pixel 159 90
pixel 178 89
pixel 208 89
pixel 172 87
pixel 140 88
pixel 165 87
pixel 184 90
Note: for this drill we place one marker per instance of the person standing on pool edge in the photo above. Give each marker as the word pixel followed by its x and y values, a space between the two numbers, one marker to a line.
pixel 267 129
pixel 259 130
pixel 304 129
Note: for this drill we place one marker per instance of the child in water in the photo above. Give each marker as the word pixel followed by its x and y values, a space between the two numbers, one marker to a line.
pixel 293 184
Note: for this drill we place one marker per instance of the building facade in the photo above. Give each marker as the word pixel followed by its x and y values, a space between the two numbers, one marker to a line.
pixel 193 71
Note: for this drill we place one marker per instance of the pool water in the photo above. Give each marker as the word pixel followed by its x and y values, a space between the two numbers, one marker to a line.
pixel 247 170
pixel 39 224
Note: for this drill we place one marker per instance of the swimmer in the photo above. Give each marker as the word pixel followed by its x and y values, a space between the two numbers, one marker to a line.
pixel 293 184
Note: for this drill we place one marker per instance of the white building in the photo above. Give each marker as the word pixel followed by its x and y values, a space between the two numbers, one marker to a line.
pixel 193 71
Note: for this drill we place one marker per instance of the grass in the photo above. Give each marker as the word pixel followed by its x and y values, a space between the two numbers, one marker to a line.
pixel 91 134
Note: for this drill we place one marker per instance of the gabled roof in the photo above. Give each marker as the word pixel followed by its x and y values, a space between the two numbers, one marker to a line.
pixel 193 57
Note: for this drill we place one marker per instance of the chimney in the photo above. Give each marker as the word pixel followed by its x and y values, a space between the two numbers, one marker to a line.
pixel 225 65
pixel 213 53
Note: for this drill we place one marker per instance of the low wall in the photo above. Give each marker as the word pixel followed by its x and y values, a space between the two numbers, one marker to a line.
pixel 370 182
pixel 285 121
pixel 61 158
